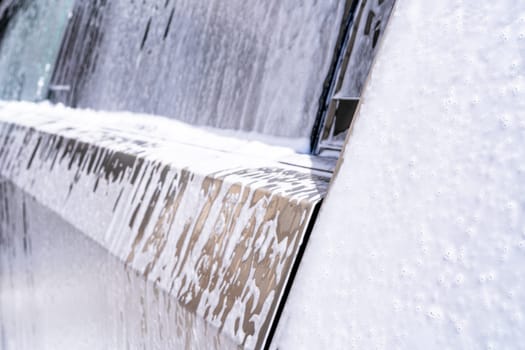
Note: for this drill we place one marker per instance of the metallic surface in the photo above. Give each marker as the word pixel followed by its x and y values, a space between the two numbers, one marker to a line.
pixel 221 241
pixel 367 24
pixel 59 289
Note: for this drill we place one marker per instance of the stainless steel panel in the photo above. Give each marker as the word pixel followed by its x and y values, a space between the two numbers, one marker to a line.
pixel 222 243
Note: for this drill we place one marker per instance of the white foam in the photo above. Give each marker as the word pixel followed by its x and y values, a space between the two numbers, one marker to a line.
pixel 420 242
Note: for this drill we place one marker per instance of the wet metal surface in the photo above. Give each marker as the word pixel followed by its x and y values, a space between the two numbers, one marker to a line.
pixel 359 42
pixel 221 242
pixel 61 290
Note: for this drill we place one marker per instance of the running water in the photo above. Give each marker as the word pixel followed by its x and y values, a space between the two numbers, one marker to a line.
pixel 256 65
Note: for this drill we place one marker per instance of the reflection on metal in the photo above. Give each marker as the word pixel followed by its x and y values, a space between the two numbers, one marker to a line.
pixel 339 117
pixel 359 42
pixel 222 242
pixel 62 290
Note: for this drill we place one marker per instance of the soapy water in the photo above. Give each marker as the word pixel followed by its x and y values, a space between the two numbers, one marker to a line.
pixel 256 66
pixel 62 290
